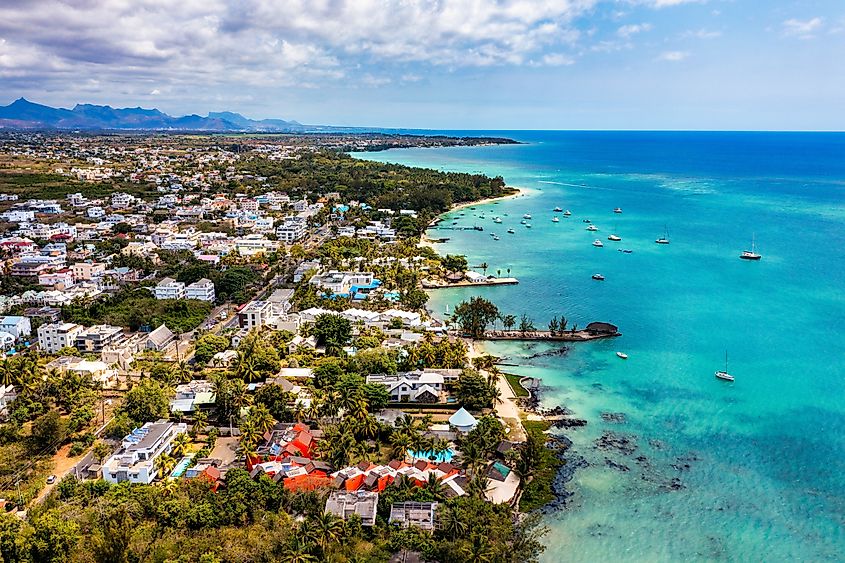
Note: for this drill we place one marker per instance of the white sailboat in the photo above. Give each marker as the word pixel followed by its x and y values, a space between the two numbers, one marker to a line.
pixel 665 238
pixel 724 375
pixel 751 254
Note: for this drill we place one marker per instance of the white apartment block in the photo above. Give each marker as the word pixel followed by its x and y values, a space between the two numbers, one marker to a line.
pixel 202 290
pixel 291 230
pixel 136 460
pixel 168 288
pixel 97 337
pixel 256 314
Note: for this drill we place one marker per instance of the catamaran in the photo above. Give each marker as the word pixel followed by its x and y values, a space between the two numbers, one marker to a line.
pixel 724 375
pixel 750 254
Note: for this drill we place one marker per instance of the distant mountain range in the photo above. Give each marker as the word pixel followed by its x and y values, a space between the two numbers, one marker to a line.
pixel 23 114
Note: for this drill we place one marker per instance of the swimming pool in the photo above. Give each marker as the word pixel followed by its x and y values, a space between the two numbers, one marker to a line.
pixel 180 468
pixel 429 456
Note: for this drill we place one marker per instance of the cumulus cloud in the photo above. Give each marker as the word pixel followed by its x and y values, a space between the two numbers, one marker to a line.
pixel 803 29
pixel 673 56
pixel 627 31
pixel 266 42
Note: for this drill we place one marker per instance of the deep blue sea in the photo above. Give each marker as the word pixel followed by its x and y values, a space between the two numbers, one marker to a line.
pixel 746 471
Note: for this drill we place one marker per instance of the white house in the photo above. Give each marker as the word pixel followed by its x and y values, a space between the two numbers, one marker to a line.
pixel 55 336
pixel 18 327
pixel 291 230
pixel 202 290
pixel 168 288
pixel 412 387
pixel 135 462
pixel 256 314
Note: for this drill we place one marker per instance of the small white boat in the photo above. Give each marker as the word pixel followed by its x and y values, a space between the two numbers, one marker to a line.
pixel 598 277
pixel 511 231
pixel 592 228
pixel 751 254
pixel 622 355
pixel 598 243
pixel 555 220
pixel 523 222
pixel 527 226
pixel 497 220
pixel 618 210
pixel 527 216
pixel 664 239
pixel 558 209
pixel 567 213
pixel 585 221
pixel 495 237
pixel 724 375
pixel 614 238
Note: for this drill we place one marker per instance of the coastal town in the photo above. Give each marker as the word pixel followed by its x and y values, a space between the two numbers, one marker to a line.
pixel 230 334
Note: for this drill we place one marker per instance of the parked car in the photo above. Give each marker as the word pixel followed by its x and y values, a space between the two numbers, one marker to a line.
pixel 51 479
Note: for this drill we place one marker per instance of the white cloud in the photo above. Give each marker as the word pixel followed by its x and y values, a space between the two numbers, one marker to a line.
pixel 803 29
pixel 700 34
pixel 266 42
pixel 627 31
pixel 673 56
pixel 155 92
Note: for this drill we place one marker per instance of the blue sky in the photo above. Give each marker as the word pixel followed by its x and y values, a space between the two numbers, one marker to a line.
pixel 448 64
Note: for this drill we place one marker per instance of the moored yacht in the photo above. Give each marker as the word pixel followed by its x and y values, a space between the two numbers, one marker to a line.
pixel 618 210
pixel 724 375
pixel 497 219
pixel 664 239
pixel 592 228
pixel 511 231
pixel 598 243
pixel 567 213
pixel 527 216
pixel 598 277
pixel 555 220
pixel 614 238
pixel 750 254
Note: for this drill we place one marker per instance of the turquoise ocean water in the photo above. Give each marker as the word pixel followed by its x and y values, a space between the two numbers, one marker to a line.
pixel 761 462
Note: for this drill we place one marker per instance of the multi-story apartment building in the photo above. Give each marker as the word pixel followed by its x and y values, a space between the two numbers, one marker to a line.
pixel 97 337
pixel 202 290
pixel 168 288
pixel 135 462
pixel 55 336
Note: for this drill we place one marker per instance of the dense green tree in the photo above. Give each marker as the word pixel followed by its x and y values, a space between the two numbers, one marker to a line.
pixel 454 263
pixel 332 331
pixel 207 345
pixel 48 433
pixel 474 315
pixel 413 298
pixel 276 400
pixel 472 391
pixel 376 360
pixel 146 402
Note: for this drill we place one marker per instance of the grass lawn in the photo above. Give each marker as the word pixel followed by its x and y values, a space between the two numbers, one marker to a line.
pixel 518 390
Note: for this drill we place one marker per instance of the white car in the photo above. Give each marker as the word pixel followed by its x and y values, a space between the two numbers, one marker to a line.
pixel 51 479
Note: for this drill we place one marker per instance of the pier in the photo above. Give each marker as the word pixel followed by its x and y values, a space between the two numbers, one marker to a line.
pixel 431 284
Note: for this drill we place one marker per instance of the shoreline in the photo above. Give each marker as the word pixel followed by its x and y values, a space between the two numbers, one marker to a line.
pixel 428 242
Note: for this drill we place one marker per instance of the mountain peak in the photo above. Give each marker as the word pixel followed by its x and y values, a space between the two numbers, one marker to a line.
pixel 24 114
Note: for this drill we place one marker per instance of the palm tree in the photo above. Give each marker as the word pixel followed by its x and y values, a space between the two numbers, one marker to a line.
pixel 508 321
pixel 327 528
pixel 484 267
pixel 248 451
pixel 499 273
pixel 261 418
pixel 453 525
pixel 435 487
pixel 165 464
pixel 249 432
pixel 297 551
pixel 180 444
pixel 369 427
pixel 401 443
pixel 182 371
pixel 200 422
pixel 479 550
